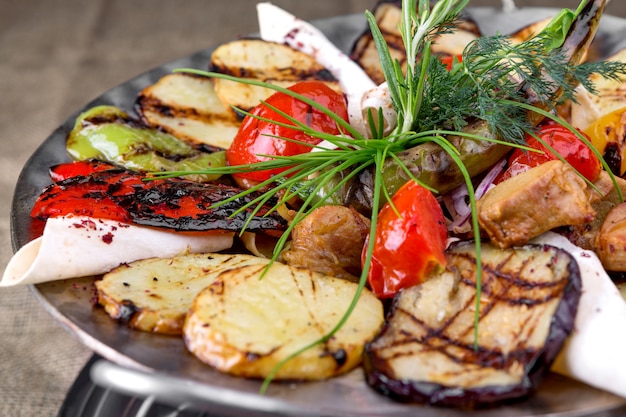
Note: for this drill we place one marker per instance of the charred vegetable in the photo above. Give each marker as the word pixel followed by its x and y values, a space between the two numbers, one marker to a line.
pixel 246 326
pixel 265 61
pixel 388 16
pixel 172 203
pixel 154 295
pixel 109 134
pixel 425 353
pixel 411 239
pixel 188 107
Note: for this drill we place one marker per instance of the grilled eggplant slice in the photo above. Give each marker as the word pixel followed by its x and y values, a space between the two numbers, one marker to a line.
pixel 153 295
pixel 270 62
pixel 186 106
pixel 250 319
pixel 528 304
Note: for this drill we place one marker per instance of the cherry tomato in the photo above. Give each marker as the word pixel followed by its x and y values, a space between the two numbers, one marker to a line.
pixel 258 137
pixel 567 144
pixel 410 246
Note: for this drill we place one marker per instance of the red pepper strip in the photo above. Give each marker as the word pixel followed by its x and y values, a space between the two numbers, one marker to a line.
pixel 449 60
pixel 72 169
pixel 177 204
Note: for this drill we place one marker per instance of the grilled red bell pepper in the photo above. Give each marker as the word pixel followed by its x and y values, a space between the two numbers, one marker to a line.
pixel 126 196
pixel 72 169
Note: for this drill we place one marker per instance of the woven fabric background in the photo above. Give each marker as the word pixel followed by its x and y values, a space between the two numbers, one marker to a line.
pixel 55 56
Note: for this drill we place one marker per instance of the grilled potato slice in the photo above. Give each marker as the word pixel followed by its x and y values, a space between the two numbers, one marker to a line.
pixel 263 61
pixel 153 295
pixel 528 305
pixel 388 16
pixel 187 106
pixel 245 324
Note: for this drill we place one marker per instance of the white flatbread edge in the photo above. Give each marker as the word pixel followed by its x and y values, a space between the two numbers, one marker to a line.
pixel 594 351
pixel 72 247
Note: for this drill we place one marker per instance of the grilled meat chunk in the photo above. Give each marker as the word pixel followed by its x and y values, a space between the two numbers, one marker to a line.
pixel 611 241
pixel 531 203
pixel 603 197
pixel 329 240
pixel 426 353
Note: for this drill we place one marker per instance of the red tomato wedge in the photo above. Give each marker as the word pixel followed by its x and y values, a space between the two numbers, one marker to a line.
pixel 410 246
pixel 259 140
pixel 564 142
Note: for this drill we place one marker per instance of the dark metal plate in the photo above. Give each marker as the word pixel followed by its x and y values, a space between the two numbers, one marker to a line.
pixel 160 358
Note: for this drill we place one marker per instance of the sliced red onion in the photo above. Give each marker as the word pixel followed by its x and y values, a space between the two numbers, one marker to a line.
pixel 460 194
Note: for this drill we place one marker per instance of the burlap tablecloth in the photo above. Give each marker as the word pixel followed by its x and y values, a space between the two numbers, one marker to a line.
pixel 55 56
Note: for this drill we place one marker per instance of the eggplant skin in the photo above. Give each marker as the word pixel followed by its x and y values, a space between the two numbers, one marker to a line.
pixel 426 354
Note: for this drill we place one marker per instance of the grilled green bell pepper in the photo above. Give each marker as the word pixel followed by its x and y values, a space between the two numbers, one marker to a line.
pixel 109 134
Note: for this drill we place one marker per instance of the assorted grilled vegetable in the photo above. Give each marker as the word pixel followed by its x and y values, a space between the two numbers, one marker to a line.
pixel 188 107
pixel 388 15
pixel 266 134
pixel 408 247
pixel 154 295
pixel 448 141
pixel 271 62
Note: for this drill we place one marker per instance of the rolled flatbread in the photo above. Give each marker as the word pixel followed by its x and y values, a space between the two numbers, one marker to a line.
pixel 72 247
pixel 594 351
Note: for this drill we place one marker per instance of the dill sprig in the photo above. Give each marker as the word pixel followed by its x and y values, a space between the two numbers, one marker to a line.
pixel 486 84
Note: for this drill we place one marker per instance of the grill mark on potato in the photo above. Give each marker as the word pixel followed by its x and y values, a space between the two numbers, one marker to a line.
pixel 251 319
pixel 285 74
pixel 338 355
pixel 156 105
